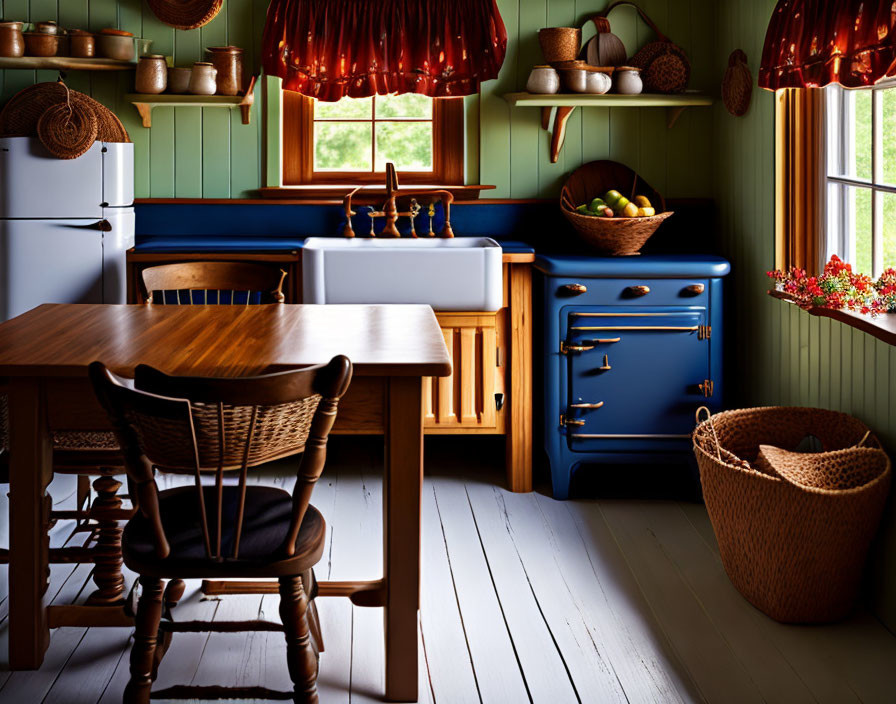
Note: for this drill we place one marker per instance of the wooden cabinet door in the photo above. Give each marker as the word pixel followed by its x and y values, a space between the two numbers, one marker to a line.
pixel 467 398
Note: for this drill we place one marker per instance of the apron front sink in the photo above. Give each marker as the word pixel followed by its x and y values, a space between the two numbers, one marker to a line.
pixel 462 273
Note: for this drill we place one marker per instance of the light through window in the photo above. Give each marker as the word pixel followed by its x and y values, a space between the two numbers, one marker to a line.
pixel 861 176
pixel 361 135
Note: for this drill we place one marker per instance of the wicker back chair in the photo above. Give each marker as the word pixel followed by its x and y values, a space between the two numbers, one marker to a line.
pixel 200 283
pixel 199 425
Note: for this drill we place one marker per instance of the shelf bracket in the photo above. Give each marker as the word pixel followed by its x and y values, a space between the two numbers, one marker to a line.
pixel 672 115
pixel 558 133
pixel 248 99
pixel 145 110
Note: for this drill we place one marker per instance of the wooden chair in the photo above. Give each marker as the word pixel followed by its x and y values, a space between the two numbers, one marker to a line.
pixel 191 425
pixel 199 283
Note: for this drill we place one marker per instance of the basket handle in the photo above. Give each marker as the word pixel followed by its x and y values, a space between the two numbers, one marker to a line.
pixel 715 438
pixel 649 22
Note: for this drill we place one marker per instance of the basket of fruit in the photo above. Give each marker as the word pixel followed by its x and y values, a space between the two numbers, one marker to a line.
pixel 611 207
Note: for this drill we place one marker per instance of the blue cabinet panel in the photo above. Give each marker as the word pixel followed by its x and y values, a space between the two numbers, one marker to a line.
pixel 627 360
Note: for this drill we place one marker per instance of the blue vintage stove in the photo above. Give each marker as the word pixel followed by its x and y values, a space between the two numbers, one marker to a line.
pixel 632 347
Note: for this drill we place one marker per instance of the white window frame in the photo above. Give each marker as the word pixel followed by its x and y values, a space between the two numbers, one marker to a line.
pixel 839 144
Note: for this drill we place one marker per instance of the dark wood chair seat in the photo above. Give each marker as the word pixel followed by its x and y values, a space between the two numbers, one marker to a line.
pixel 266 522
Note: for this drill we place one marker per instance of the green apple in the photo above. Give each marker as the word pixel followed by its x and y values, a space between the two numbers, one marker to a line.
pixel 596 205
pixel 620 205
pixel 610 198
pixel 583 209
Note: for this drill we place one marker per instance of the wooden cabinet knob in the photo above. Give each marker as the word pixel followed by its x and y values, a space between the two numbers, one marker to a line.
pixel 573 289
pixel 637 291
pixel 694 290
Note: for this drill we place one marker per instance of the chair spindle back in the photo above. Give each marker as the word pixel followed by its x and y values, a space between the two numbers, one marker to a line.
pixel 212 283
pixel 197 425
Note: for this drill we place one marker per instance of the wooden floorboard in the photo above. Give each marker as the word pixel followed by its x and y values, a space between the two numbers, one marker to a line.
pixel 524 599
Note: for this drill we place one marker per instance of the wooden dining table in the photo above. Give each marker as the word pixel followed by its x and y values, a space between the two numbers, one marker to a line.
pixel 44 354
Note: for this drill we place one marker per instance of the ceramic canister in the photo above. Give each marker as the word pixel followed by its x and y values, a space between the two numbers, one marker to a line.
pixel 628 80
pixel 82 44
pixel 543 79
pixel 179 79
pixel 152 74
pixel 12 42
pixel 202 79
pixel 597 82
pixel 228 60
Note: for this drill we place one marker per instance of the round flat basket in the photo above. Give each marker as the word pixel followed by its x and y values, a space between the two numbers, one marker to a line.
pixel 617 236
pixel 108 126
pixel 185 14
pixel 68 129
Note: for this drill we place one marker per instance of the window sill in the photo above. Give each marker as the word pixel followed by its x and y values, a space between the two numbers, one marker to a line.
pixel 883 327
pixel 372 194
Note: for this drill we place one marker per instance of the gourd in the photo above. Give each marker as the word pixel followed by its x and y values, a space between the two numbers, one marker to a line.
pixel 606 49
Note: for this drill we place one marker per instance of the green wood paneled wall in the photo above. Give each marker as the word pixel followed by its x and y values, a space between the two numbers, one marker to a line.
pixel 780 354
pixel 188 152
pixel 191 152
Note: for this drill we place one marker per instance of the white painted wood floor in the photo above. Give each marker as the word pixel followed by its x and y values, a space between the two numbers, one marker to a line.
pixel 524 599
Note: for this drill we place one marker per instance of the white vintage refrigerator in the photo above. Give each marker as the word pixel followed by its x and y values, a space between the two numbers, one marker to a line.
pixel 65 224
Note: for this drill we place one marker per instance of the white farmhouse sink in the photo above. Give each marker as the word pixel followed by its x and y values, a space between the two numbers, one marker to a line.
pixel 462 273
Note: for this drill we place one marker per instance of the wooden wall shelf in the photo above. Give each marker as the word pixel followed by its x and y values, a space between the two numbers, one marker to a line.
pixel 64 63
pixel 883 326
pixel 565 103
pixel 146 102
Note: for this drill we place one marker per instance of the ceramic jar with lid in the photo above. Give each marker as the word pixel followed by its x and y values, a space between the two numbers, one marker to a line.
pixel 543 79
pixel 628 80
pixel 48 27
pixel 597 82
pixel 81 44
pixel 152 74
pixel 12 42
pixel 228 61
pixel 202 78
pixel 41 43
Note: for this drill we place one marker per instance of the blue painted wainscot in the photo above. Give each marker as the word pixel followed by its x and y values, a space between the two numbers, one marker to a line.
pixel 632 347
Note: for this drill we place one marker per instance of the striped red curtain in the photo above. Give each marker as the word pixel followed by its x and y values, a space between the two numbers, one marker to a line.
pixel 330 49
pixel 810 43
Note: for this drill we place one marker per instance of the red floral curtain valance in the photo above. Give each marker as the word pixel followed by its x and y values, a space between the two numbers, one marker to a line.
pixel 810 43
pixel 329 49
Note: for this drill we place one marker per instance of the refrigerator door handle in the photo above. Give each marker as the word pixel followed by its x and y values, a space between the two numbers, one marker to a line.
pixel 101 225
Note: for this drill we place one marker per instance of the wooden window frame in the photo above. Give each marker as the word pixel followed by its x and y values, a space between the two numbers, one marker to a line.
pixel 298 147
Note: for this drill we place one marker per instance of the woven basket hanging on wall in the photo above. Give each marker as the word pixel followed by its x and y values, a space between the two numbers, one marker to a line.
pixel 67 129
pixel 186 14
pixel 737 85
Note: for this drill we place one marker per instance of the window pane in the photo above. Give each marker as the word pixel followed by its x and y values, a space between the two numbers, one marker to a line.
pixel 888 100
pixel 345 109
pixel 860 163
pixel 342 146
pixel 860 204
pixel 405 105
pixel 889 229
pixel 407 144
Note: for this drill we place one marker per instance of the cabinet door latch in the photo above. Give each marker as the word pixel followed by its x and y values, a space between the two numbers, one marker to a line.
pixel 704 332
pixel 568 422
pixel 706 387
pixel 566 348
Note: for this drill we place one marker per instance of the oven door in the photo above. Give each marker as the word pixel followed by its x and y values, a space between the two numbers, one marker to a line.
pixel 634 378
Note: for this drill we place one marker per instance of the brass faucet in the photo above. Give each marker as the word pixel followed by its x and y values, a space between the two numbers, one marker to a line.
pixel 390 211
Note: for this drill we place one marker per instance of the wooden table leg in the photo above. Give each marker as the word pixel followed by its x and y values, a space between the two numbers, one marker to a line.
pixel 519 425
pixel 30 472
pixel 402 487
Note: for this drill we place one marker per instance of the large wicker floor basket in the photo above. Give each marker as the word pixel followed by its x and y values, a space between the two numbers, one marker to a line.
pixel 793 528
